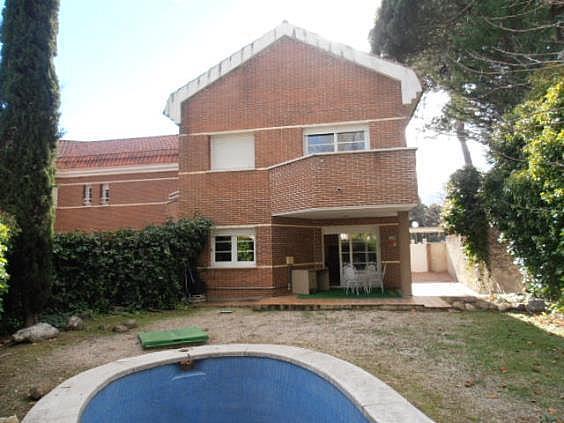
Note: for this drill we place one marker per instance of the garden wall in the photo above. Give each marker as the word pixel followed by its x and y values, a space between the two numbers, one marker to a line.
pixel 503 276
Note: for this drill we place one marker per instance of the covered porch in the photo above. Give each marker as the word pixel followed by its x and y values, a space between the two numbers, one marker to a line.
pixel 369 245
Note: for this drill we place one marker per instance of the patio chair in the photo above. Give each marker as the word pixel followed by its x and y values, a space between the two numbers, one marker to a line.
pixel 375 277
pixel 351 279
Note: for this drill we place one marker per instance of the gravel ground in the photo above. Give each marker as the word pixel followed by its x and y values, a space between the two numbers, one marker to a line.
pixel 421 354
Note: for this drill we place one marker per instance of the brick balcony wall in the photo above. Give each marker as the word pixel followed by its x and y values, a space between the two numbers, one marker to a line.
pixel 344 180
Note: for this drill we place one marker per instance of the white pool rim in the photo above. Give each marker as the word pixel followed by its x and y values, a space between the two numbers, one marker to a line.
pixel 377 401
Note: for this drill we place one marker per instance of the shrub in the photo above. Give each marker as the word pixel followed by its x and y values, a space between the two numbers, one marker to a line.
pixel 525 188
pixel 464 213
pixel 7 230
pixel 141 269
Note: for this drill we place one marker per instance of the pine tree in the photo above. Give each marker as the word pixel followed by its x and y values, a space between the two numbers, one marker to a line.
pixel 482 53
pixel 29 103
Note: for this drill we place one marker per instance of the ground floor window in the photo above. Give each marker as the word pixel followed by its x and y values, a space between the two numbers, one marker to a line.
pixel 358 249
pixel 233 248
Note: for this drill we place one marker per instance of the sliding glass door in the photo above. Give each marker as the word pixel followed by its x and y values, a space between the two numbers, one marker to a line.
pixel 358 249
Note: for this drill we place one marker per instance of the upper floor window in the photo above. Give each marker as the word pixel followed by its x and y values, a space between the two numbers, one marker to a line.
pixel 87 195
pixel 105 194
pixel 330 140
pixel 233 152
pixel 232 248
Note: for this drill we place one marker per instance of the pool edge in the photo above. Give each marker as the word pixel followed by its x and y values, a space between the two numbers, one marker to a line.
pixel 378 401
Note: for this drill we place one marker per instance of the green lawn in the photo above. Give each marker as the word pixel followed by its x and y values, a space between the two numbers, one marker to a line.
pixel 528 362
pixel 456 367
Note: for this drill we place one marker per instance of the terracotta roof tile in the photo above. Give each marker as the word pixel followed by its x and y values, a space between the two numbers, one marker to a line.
pixel 120 152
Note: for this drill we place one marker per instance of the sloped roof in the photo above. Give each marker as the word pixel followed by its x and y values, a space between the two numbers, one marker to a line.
pixel 410 86
pixel 118 152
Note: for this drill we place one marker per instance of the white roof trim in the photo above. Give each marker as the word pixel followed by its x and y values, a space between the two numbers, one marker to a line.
pixel 410 86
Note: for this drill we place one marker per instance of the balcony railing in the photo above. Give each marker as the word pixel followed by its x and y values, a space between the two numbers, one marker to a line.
pixel 376 179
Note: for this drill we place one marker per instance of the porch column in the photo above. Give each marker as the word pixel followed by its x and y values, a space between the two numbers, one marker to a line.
pixel 405 259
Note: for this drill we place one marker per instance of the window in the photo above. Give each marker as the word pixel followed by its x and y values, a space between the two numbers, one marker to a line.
pixel 234 248
pixel 105 194
pixel 358 249
pixel 87 195
pixel 233 152
pixel 335 140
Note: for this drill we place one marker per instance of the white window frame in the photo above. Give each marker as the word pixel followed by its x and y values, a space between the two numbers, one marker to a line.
pixel 87 194
pixel 226 138
pixel 233 233
pixel 349 235
pixel 318 130
pixel 104 199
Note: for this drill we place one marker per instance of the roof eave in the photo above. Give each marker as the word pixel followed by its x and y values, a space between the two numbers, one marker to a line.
pixel 410 85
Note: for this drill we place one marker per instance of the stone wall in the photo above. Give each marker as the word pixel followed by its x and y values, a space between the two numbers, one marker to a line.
pixel 502 276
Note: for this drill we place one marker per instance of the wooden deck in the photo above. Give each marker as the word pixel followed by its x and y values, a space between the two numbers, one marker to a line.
pixel 293 302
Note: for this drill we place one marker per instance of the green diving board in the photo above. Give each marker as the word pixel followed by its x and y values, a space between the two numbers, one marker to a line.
pixel 169 338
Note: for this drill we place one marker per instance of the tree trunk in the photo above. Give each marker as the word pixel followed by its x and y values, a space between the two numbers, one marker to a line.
pixel 461 134
pixel 30 318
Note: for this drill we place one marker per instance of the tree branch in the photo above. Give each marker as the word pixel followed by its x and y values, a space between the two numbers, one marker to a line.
pixel 537 28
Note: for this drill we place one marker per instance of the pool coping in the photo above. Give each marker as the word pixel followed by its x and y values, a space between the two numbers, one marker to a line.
pixel 378 401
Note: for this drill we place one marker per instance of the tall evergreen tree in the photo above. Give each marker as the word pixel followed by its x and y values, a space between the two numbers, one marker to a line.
pixel 29 104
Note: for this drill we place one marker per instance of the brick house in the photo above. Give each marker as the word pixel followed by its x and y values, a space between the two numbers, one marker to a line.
pixel 112 184
pixel 294 146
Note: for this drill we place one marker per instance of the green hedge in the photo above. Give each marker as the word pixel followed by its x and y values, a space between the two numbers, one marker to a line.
pixel 134 269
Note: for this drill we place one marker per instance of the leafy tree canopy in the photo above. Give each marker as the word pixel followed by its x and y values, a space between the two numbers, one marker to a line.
pixel 426 215
pixel 482 52
pixel 524 192
pixel 464 213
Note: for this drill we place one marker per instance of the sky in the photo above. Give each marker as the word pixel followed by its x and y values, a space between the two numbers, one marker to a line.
pixel 118 60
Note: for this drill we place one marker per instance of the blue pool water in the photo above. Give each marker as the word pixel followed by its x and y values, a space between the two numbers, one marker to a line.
pixel 225 389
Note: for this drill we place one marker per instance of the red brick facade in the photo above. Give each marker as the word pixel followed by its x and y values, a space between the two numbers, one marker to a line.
pixel 277 95
pixel 346 179
pixel 291 83
pixel 136 200
pixel 141 174
pixel 290 200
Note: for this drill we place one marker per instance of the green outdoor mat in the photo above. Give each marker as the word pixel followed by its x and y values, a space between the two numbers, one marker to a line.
pixel 166 338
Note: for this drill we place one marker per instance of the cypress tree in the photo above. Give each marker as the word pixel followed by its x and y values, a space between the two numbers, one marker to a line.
pixel 29 104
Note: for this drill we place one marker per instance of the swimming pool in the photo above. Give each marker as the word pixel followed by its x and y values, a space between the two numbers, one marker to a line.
pixel 225 383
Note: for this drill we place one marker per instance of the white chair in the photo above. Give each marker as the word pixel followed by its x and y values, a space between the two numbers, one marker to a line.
pixel 375 277
pixel 351 279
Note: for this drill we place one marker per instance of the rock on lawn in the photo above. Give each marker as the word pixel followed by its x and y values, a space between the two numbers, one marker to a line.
pixel 35 333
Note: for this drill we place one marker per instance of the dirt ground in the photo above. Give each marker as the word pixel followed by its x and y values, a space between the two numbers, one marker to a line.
pixel 439 361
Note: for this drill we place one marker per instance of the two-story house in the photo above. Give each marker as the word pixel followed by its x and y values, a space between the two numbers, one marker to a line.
pixel 294 146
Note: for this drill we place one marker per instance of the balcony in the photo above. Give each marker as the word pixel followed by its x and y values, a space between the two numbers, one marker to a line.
pixel 345 185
